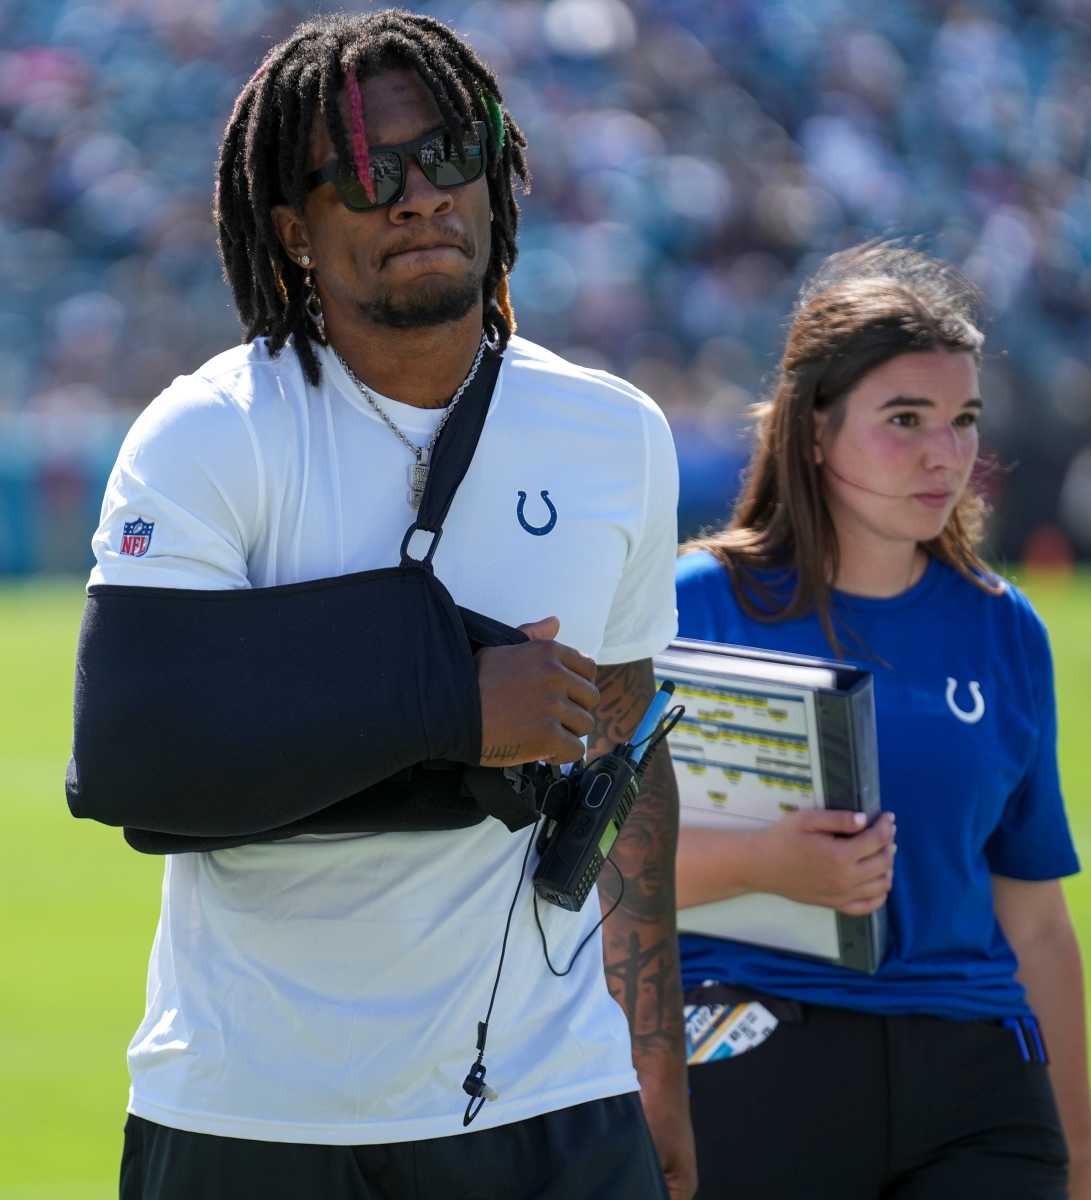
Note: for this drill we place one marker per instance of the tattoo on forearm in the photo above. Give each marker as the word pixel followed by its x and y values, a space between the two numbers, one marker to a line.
pixel 643 979
pixel 645 849
pixel 640 946
pixel 489 753
pixel 624 693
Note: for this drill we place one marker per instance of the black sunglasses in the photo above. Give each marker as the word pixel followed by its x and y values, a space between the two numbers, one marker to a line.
pixel 445 164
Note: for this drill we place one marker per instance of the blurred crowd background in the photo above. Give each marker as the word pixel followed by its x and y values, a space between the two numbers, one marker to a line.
pixel 692 159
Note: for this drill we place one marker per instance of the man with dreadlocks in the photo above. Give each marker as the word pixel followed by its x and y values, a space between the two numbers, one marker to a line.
pixel 314 988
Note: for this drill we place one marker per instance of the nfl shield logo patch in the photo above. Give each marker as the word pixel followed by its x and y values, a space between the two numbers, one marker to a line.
pixel 137 537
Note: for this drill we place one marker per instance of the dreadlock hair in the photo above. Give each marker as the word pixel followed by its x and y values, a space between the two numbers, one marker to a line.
pixel 264 153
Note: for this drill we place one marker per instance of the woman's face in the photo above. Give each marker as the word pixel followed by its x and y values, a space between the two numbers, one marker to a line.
pixel 896 457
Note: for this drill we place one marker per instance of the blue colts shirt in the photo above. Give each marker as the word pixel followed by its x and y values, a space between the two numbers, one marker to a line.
pixel 967 735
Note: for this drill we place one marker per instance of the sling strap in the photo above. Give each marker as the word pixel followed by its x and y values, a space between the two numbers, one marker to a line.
pixel 452 456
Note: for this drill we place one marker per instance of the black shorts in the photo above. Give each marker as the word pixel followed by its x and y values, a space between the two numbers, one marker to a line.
pixel 846 1106
pixel 601 1150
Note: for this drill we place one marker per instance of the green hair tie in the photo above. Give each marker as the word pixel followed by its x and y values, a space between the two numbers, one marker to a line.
pixel 496 116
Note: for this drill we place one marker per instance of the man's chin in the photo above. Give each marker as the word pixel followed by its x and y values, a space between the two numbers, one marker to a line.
pixel 427 304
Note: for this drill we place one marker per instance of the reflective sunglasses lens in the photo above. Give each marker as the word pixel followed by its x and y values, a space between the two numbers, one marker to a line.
pixel 386 177
pixel 447 165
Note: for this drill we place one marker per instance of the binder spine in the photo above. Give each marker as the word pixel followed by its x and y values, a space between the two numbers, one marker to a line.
pixel 850 777
pixel 866 748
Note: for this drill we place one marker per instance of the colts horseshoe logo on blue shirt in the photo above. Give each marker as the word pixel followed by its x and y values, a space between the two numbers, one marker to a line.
pixel 969 716
pixel 537 530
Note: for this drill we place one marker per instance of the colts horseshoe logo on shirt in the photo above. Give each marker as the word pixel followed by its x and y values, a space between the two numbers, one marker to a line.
pixel 969 716
pixel 537 530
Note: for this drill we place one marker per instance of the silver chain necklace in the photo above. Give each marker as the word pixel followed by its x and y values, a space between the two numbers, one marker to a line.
pixel 418 472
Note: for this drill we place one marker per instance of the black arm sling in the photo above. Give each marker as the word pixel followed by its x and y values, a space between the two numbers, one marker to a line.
pixel 205 720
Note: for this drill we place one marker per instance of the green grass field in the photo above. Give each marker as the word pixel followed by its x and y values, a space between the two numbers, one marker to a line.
pixel 80 907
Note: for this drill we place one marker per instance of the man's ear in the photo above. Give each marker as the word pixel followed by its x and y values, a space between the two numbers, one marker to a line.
pixel 292 231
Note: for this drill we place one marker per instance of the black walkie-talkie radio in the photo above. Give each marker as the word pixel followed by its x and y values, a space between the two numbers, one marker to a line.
pixel 585 810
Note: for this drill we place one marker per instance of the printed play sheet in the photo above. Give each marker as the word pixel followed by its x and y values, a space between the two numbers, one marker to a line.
pixel 745 751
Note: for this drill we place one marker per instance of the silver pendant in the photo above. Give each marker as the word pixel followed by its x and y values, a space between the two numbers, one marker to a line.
pixel 418 479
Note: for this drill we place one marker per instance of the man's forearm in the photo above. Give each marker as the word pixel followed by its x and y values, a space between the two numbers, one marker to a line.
pixel 640 945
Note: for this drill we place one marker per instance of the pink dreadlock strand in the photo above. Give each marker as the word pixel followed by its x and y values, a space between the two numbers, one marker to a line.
pixel 257 75
pixel 359 137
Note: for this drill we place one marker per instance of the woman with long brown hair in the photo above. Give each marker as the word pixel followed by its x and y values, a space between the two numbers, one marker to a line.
pixel 855 537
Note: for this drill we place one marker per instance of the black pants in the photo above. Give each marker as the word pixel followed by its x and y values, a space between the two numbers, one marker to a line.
pixel 596 1151
pixel 837 1105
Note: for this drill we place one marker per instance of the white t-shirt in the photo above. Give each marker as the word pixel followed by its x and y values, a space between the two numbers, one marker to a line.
pixel 328 989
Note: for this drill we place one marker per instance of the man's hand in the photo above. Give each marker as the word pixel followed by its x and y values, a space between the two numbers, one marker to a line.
pixel 536 699
pixel 666 1109
pixel 824 857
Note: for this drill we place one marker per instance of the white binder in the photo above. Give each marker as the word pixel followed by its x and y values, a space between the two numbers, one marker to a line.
pixel 765 734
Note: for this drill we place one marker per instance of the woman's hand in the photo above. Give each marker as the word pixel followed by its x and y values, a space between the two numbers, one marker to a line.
pixel 822 856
